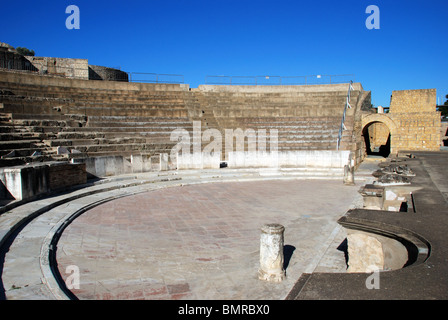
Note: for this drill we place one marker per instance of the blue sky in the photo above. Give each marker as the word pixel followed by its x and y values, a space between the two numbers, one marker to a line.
pixel 246 38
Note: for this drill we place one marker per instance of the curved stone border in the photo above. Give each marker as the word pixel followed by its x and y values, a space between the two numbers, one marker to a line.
pixel 16 220
pixel 21 216
pixel 424 231
pixel 48 264
pixel 416 248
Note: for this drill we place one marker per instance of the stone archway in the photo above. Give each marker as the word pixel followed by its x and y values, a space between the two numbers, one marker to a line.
pixel 379 132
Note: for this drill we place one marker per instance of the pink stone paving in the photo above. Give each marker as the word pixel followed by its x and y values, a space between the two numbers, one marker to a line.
pixel 198 241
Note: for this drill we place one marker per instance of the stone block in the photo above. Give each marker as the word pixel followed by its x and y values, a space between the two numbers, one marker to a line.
pixel 302 159
pixel 105 166
pixel 369 251
pixel 23 182
pixel 164 159
pixel 137 163
pixel 203 160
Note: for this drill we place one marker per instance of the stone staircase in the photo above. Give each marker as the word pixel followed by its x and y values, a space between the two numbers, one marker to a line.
pixel 22 140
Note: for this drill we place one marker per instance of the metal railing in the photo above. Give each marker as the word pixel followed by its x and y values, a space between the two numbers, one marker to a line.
pixel 155 77
pixel 17 65
pixel 279 80
pixel 347 105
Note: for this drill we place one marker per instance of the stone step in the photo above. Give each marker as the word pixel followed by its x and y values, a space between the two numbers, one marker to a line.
pixel 12 103
pixel 291 119
pixel 138 112
pixel 7 128
pixel 24 89
pixel 139 119
pixel 26 135
pixel 129 129
pixel 26 152
pixel 148 135
pixel 56 117
pixel 21 160
pixel 125 154
pixel 39 123
pixel 5 117
pixel 95 141
pixel 139 124
pixel 19 144
pixel 147 147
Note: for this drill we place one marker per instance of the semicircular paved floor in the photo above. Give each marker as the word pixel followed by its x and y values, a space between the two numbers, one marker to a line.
pixel 202 241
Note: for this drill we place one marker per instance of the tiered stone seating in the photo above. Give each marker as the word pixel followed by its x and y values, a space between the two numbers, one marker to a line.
pixel 306 117
pixel 44 114
pixel 23 138
pixel 103 134
pixel 304 133
pixel 102 118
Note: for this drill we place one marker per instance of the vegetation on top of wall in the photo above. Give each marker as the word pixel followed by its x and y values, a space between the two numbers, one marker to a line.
pixel 25 51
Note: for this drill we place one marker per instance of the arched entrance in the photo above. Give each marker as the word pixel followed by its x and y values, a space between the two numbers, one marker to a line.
pixel 378 133
pixel 377 139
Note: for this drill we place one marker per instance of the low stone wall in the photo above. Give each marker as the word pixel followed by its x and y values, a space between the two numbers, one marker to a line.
pixel 202 160
pixel 305 158
pixel 115 165
pixel 23 182
pixel 63 174
pixel 299 159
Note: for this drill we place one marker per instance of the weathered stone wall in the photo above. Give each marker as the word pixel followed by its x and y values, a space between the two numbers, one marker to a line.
pixel 413 101
pixel 417 131
pixel 378 133
pixel 413 121
pixel 11 60
pixel 63 174
pixel 71 68
pixel 414 112
pixel 105 73
pixel 23 182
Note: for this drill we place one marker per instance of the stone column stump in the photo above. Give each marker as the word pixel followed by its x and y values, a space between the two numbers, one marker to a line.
pixel 271 253
pixel 349 175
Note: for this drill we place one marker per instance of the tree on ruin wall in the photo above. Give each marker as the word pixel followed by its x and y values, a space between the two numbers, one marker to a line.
pixel 25 51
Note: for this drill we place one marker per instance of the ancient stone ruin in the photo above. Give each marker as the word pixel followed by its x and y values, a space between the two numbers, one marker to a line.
pixel 66 125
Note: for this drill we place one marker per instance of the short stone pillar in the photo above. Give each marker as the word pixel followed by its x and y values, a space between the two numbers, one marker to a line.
pixel 271 253
pixel 163 162
pixel 349 175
